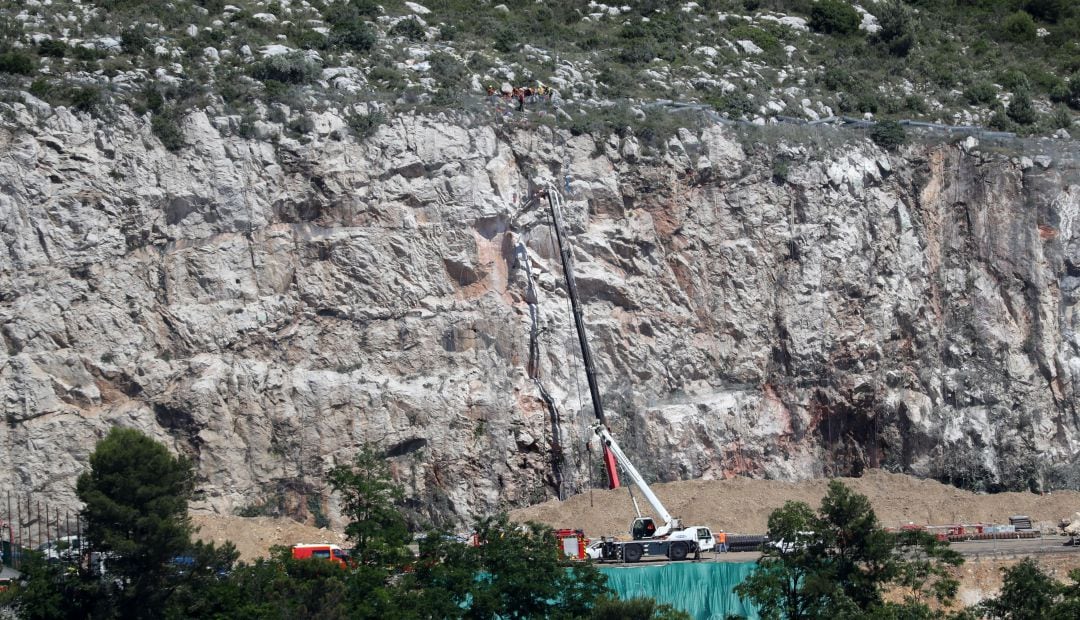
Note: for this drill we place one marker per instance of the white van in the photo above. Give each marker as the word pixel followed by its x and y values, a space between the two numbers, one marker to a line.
pixel 67 548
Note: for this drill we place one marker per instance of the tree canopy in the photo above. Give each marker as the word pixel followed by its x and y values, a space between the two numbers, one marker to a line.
pixel 135 497
pixel 370 500
pixel 1029 593
pixel 839 561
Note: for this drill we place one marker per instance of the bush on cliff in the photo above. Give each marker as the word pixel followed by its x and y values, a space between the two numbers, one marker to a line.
pixel 888 135
pixel 834 17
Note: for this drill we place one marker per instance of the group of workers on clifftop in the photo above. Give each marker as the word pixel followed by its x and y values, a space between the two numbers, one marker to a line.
pixel 519 95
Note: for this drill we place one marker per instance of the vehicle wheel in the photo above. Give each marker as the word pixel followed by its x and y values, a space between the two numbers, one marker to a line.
pixel 631 553
pixel 678 551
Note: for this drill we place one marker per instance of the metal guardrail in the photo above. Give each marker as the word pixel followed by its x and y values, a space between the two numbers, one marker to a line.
pixel 835 121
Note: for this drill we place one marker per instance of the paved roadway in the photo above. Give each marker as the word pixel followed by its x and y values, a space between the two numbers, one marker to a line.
pixel 974 549
pixel 1016 548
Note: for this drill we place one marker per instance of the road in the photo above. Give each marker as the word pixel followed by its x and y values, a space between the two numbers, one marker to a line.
pixel 975 549
pixel 1015 548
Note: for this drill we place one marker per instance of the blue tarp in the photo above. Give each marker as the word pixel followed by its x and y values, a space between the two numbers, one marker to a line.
pixel 703 589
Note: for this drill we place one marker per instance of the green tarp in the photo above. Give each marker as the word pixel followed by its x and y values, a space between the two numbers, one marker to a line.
pixel 704 589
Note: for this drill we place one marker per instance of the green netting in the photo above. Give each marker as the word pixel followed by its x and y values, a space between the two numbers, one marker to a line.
pixel 703 589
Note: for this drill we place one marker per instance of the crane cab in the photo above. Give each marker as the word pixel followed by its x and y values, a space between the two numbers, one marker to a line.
pixel 643 527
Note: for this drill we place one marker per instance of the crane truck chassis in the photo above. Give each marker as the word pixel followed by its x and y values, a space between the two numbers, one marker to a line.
pixel 612 550
pixel 670 540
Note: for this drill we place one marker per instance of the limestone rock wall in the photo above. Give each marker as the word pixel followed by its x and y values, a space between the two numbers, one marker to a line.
pixel 770 310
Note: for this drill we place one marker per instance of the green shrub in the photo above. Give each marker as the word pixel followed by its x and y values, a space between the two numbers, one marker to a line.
pixel 764 39
pixel 83 52
pixel 837 78
pixel 81 98
pixel 447 32
pixel 1063 38
pixel 448 71
pixel 781 167
pixel 235 88
pixel 735 105
pixel 17 62
pixel 980 93
pixel 41 88
pixel 1047 10
pixel 149 100
pixel 834 17
pixel 278 92
pixel 291 68
pixel 1060 92
pixel 446 98
pixel 388 77
pixel 409 28
pixel 897 32
pixel 915 103
pixel 1018 28
pixel 52 48
pixel 86 98
pixel 351 9
pixel 637 52
pixel 1021 110
pixel 857 101
pixel 364 126
pixel 246 130
pixel 353 34
pixel 507 39
pixel 1043 81
pixel 941 68
pixel 301 125
pixel 1060 118
pixel 888 135
pixel 866 102
pixel 615 80
pixel 308 39
pixel 1014 79
pixel 1000 121
pixel 479 62
pixel 1074 91
pixel 134 40
pixel 166 126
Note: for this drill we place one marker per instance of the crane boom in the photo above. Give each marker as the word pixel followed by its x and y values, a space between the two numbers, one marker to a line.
pixel 610 443
pixel 554 201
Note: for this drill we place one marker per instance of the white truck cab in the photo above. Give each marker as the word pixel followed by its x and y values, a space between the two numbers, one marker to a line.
pixel 705 539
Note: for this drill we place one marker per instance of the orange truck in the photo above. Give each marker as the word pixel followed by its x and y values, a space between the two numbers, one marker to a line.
pixel 333 553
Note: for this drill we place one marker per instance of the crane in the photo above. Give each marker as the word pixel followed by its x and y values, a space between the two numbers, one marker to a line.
pixel 670 538
pixel 555 203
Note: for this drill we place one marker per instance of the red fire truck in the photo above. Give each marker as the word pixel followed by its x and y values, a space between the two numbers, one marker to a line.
pixel 333 553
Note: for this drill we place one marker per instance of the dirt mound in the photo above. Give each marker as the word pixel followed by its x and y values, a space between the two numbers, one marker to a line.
pixel 253 536
pixel 743 505
pixel 737 505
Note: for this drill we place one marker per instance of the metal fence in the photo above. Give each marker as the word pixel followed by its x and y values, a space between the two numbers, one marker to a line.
pixel 28 525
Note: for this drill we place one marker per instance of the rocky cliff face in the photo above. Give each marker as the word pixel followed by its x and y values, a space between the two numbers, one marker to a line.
pixel 764 310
